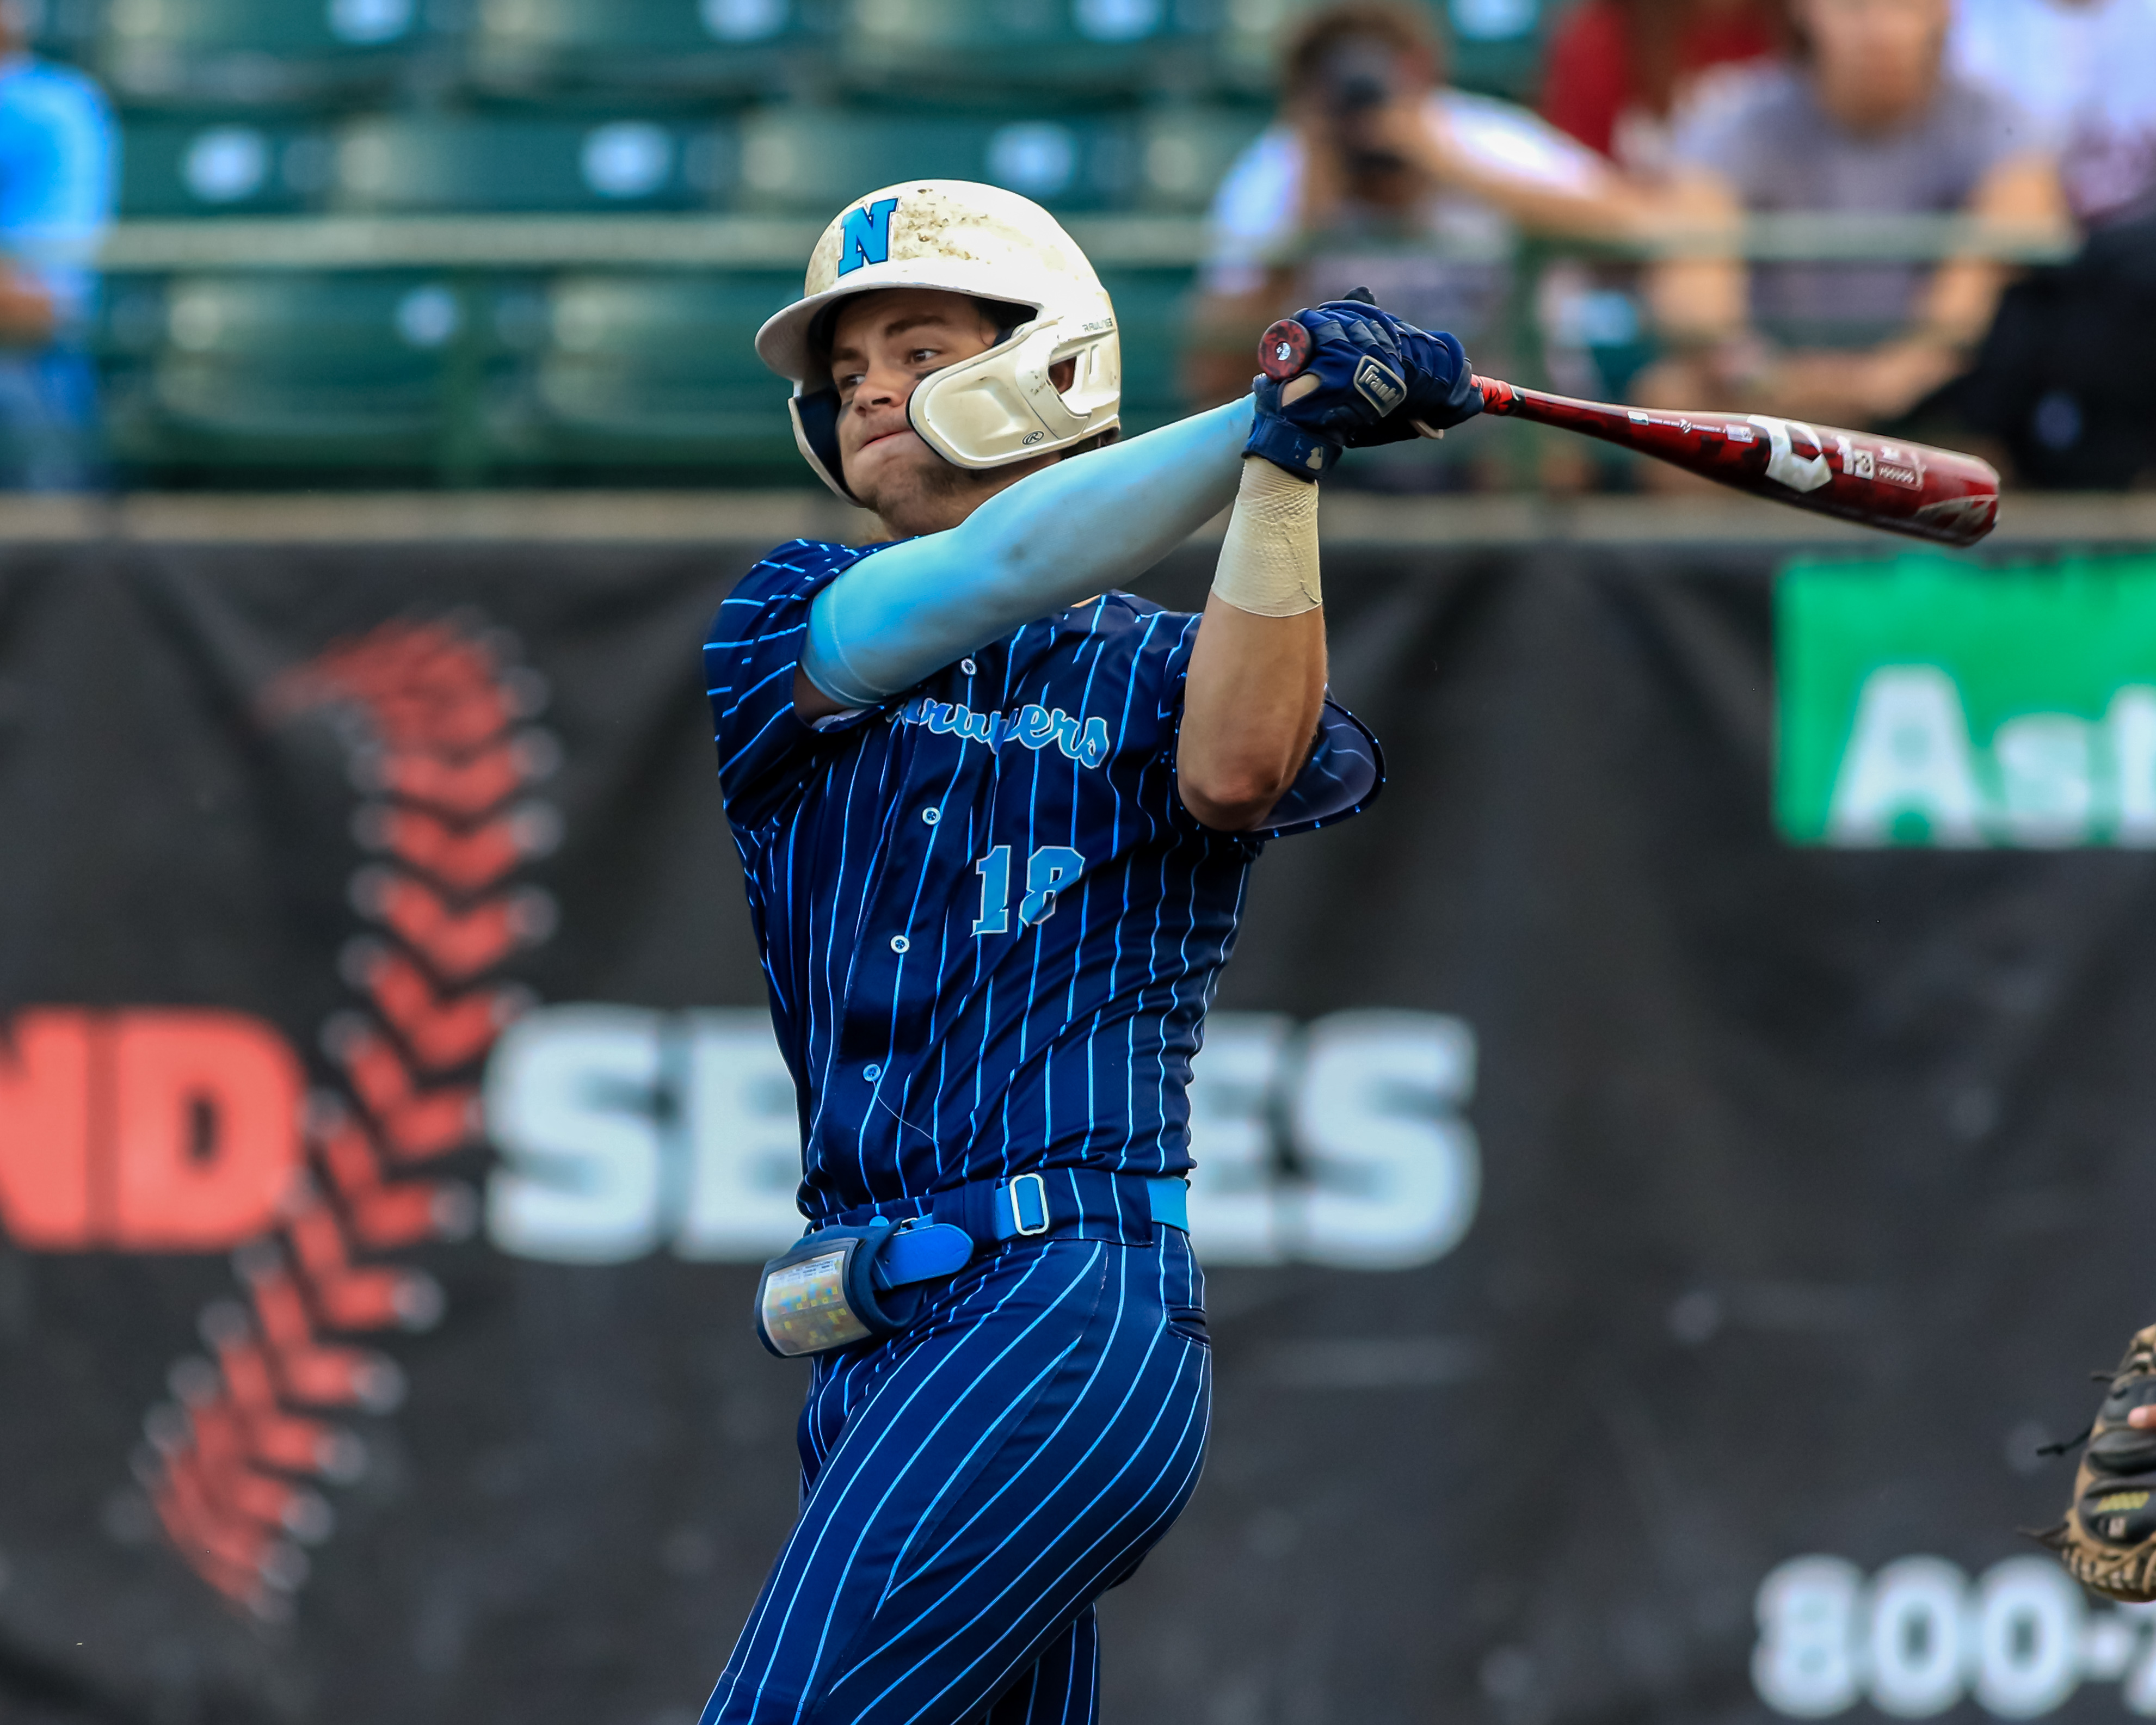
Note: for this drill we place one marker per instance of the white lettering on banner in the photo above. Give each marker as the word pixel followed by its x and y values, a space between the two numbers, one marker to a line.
pixel 1908 754
pixel 571 1090
pixel 1919 1637
pixel 2045 782
pixel 1393 1173
pixel 1915 1650
pixel 622 1129
pixel 2131 723
pixel 2047 779
pixel 744 1140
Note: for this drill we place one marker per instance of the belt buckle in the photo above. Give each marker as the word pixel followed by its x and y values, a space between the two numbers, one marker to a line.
pixel 1017 1210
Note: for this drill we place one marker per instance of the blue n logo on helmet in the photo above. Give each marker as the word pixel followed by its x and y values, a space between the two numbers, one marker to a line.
pixel 866 238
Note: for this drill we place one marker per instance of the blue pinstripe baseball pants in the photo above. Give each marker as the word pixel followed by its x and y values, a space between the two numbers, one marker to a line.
pixel 972 1486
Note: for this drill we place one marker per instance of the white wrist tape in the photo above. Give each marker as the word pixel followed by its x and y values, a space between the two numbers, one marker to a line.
pixel 1269 561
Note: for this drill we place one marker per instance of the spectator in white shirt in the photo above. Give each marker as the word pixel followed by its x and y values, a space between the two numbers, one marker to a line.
pixel 2085 70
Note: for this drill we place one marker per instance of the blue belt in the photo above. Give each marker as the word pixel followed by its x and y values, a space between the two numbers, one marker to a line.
pixel 1035 1206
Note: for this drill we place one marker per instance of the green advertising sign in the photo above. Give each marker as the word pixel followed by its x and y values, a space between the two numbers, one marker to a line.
pixel 1921 701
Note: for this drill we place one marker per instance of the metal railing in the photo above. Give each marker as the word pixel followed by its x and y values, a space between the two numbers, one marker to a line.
pixel 757 242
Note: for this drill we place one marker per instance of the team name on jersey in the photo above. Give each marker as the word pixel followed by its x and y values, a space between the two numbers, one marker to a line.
pixel 1084 740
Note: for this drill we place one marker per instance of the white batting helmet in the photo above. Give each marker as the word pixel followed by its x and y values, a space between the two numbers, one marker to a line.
pixel 1000 405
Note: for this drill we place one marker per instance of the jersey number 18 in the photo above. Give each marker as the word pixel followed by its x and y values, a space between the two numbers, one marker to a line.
pixel 1048 871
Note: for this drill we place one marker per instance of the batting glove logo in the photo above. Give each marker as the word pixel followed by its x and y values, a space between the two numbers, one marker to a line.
pixel 1383 389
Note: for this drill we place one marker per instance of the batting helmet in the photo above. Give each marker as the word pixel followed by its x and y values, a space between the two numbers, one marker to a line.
pixel 998 407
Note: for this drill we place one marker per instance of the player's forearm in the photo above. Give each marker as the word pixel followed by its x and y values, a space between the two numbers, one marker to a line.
pixel 1257 681
pixel 1250 711
pixel 1699 295
pixel 2020 198
pixel 1062 535
pixel 1608 209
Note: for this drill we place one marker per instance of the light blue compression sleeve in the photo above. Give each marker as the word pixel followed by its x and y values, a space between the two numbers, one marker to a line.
pixel 1092 522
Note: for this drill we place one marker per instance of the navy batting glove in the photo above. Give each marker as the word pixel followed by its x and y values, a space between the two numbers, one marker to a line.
pixel 1440 388
pixel 1354 378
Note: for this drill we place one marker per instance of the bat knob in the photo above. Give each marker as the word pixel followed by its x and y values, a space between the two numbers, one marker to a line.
pixel 1284 350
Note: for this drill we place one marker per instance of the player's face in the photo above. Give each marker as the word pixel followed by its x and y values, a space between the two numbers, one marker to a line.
pixel 882 344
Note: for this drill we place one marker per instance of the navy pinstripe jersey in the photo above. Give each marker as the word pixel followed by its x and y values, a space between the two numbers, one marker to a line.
pixel 990 930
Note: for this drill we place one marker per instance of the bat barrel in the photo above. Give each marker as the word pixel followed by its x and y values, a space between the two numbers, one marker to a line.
pixel 1927 493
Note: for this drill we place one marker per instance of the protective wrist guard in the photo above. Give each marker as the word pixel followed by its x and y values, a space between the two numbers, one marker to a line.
pixel 1354 378
pixel 1268 562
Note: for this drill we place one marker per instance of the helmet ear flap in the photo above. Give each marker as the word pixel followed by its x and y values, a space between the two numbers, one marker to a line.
pixel 816 435
pixel 1003 406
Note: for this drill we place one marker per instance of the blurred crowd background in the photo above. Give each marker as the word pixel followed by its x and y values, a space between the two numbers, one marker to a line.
pixel 263 243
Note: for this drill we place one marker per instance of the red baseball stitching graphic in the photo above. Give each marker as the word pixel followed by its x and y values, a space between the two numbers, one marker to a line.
pixel 441 744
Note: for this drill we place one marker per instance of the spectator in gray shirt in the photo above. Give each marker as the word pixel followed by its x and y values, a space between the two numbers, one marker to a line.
pixel 1867 121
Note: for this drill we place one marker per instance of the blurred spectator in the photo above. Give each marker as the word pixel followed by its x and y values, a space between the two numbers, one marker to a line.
pixel 1375 175
pixel 1617 68
pixel 2062 384
pixel 2085 70
pixel 1866 120
pixel 57 149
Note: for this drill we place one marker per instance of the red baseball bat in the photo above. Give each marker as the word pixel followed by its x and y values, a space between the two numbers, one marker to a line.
pixel 1898 487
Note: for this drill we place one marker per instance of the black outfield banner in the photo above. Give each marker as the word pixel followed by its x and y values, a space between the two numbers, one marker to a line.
pixel 1654 1209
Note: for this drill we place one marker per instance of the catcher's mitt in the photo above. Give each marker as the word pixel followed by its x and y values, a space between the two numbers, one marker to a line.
pixel 2109 1538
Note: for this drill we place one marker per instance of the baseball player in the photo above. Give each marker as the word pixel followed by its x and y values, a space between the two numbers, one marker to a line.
pixel 995 818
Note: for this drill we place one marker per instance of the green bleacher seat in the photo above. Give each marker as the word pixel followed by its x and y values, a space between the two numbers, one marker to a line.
pixel 417 163
pixel 731 47
pixel 812 160
pixel 271 372
pixel 221 165
pixel 1185 152
pixel 1150 310
pixel 66 29
pixel 257 50
pixel 654 373
pixel 1245 56
pixel 1496 45
pixel 995 46
pixel 657 375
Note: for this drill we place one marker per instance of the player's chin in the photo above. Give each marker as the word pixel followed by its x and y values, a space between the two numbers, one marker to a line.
pixel 869 469
pixel 893 452
pixel 896 473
